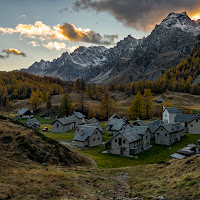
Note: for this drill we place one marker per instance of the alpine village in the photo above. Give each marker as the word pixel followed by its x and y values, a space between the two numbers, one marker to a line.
pixel 104 123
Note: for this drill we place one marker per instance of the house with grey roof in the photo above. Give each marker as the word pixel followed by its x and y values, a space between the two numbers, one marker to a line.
pixel 62 125
pixel 114 116
pixel 169 114
pixel 191 122
pixel 116 125
pixel 153 126
pixel 79 116
pixel 94 124
pixel 88 136
pixel 130 141
pixel 24 113
pixel 168 134
pixel 139 123
pixel 33 123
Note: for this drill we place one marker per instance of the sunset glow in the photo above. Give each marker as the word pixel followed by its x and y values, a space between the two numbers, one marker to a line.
pixel 196 17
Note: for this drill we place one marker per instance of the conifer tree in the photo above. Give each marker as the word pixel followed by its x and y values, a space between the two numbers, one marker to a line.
pixel 66 105
pixel 147 103
pixel 48 102
pixel 168 104
pixel 35 100
pixel 106 107
pixel 135 109
pixel 91 113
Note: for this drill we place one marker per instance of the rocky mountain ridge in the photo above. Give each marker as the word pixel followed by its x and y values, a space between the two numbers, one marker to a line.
pixel 131 59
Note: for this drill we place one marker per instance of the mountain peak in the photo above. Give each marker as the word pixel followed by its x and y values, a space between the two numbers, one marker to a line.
pixel 182 21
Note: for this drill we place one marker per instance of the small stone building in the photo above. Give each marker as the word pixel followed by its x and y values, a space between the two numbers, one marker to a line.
pixel 169 114
pixel 153 126
pixel 33 123
pixel 24 113
pixel 190 122
pixel 94 124
pixel 88 136
pixel 62 125
pixel 129 141
pixel 92 121
pixel 79 116
pixel 168 134
pixel 116 125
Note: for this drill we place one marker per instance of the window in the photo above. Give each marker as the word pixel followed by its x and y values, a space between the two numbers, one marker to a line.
pixel 157 133
pixel 197 120
pixel 124 141
pixel 165 135
pixel 98 138
pixel 146 137
pixel 191 125
pixel 115 140
pixel 94 139
pixel 57 125
pixel 120 141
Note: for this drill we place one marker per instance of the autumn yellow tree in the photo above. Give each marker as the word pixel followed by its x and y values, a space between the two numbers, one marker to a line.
pixel 35 100
pixel 48 101
pixel 91 113
pixel 135 109
pixel 147 107
pixel 66 105
pixel 106 107
pixel 168 104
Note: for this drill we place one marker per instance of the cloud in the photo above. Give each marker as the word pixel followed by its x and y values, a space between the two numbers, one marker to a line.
pixel 85 35
pixel 55 45
pixel 66 31
pixel 11 51
pixel 34 44
pixel 23 16
pixel 140 15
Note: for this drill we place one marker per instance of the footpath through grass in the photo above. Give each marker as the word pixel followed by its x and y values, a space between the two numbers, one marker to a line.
pixel 156 154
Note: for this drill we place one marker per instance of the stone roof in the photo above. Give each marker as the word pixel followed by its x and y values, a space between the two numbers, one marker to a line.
pixel 185 117
pixel 93 120
pixel 32 122
pixel 79 115
pixel 22 111
pixel 84 133
pixel 131 135
pixel 114 116
pixel 69 120
pixel 139 122
pixel 177 156
pixel 94 124
pixel 171 128
pixel 153 126
pixel 172 110
pixel 117 124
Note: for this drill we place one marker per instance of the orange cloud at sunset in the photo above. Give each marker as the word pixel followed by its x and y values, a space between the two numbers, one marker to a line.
pixel 66 31
pixel 11 51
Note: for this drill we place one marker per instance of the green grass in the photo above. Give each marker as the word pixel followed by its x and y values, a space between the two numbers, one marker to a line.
pixel 106 136
pixel 40 119
pixel 156 154
pixel 60 136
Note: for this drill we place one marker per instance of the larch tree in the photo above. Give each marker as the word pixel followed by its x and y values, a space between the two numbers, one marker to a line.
pixel 135 109
pixel 35 100
pixel 48 101
pixel 106 107
pixel 91 113
pixel 147 103
pixel 66 105
pixel 168 104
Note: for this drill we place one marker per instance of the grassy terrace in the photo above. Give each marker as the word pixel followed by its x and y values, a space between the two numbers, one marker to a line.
pixel 157 153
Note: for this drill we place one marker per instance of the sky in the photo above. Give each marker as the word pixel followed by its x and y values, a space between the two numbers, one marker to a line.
pixel 44 29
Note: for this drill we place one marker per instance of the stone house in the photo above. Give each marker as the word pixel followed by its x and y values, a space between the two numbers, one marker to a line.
pixel 168 134
pixel 94 124
pixel 153 126
pixel 88 136
pixel 79 116
pixel 190 122
pixel 33 123
pixel 169 114
pixel 130 141
pixel 62 125
pixel 114 116
pixel 24 113
pixel 116 125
